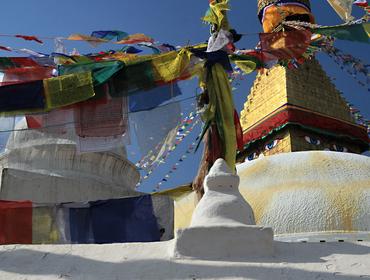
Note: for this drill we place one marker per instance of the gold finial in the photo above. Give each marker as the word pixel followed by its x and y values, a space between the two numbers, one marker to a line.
pixel 263 3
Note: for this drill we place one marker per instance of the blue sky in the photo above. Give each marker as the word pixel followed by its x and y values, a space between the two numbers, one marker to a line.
pixel 167 21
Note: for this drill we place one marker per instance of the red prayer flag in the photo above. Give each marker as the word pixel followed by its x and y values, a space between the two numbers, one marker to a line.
pixel 23 69
pixel 15 222
pixel 95 118
pixel 34 121
pixel 5 49
pixel 238 131
pixel 29 38
pixel 361 3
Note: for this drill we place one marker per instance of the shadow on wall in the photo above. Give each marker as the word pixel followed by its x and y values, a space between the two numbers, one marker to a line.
pixel 66 265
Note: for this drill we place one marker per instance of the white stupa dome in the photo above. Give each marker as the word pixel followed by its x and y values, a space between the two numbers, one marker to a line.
pixel 310 196
pixel 46 167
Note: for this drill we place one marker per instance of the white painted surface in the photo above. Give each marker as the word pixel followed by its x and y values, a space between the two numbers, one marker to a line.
pixel 222 224
pixel 296 261
pixel 222 203
pixel 54 188
pixel 220 242
pixel 309 193
pixel 46 168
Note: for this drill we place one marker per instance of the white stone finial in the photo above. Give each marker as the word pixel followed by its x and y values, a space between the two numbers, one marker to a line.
pixel 223 222
pixel 220 175
pixel 222 203
pixel 220 167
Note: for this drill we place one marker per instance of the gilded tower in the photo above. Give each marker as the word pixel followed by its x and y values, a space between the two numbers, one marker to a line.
pixel 300 109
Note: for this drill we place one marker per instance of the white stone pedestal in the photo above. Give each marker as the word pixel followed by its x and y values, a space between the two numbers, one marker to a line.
pixel 223 223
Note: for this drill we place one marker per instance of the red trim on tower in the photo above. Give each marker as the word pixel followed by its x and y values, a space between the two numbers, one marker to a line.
pixel 292 114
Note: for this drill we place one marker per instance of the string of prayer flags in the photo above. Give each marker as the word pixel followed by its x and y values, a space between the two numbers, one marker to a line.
pixel 23 50
pixel 353 66
pixel 146 161
pixel 175 167
pixel 359 117
pixel 150 161
pixel 182 132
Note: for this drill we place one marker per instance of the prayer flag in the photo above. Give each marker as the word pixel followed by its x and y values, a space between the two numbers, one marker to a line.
pixel 128 219
pixel 343 8
pixel 68 89
pixel 353 32
pixel 109 35
pixel 134 39
pixel 29 38
pixel 361 3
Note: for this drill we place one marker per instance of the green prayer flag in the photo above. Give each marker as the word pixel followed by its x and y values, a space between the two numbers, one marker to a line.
pixel 354 32
pixel 101 71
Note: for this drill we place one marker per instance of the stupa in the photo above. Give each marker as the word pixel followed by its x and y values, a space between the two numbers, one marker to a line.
pixel 46 167
pixel 301 168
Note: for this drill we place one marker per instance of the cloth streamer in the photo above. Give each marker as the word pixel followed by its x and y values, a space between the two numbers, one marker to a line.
pixel 68 89
pixel 221 111
pixel 101 118
pixel 246 66
pixel 20 98
pixel 20 70
pixel 94 41
pixel 133 77
pixel 29 38
pixel 56 122
pixel 128 220
pixel 135 39
pixel 15 216
pixel 109 35
pixel 146 100
pixel 101 71
pixel 353 32
pixel 172 66
pixel 343 8
pixel 216 14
